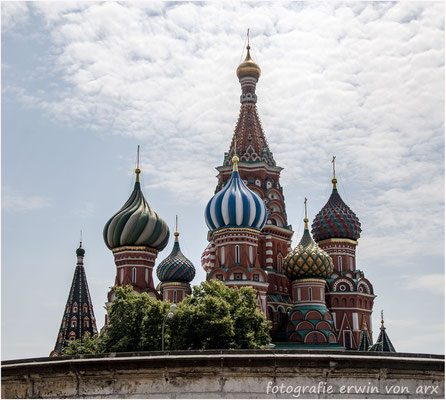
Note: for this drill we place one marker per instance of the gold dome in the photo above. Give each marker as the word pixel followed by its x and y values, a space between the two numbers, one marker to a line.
pixel 248 68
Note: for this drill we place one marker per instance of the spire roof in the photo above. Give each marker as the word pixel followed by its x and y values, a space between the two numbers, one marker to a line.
pixel 383 342
pixel 364 340
pixel 249 137
pixel 78 318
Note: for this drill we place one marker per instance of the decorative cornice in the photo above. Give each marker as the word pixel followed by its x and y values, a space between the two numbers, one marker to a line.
pixel 243 165
pixel 135 248
pixel 337 240
pixel 309 280
pixel 164 284
pixel 235 229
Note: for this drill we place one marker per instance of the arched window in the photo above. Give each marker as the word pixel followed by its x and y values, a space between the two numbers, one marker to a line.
pixel 321 293
pixel 258 182
pixel 86 323
pixel 279 263
pixel 74 322
pixel 134 275
pixel 251 258
pixel 75 307
pixel 222 255
pixel 84 308
pixel 351 263
pixel 174 296
pixel 237 254
pixel 271 315
pixel 310 294
pixel 268 185
pixel 340 263
pixel 147 275
pixel 298 294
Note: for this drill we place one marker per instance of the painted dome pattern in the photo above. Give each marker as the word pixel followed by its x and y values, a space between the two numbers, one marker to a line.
pixel 307 260
pixel 136 224
pixel 175 267
pixel 235 206
pixel 336 220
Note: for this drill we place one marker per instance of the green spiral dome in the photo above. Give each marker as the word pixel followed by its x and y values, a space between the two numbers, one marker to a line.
pixel 136 224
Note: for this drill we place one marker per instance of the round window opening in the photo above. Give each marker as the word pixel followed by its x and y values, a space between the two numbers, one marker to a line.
pixel 342 288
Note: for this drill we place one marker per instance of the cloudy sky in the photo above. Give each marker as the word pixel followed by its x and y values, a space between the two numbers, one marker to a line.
pixel 84 83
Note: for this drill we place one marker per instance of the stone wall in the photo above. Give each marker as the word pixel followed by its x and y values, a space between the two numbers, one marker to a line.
pixel 228 374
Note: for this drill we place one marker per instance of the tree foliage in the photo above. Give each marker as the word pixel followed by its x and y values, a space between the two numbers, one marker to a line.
pixel 134 322
pixel 85 345
pixel 212 317
pixel 218 317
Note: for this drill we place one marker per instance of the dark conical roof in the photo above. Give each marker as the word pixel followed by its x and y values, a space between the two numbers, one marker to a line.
pixel 78 318
pixel 383 343
pixel 364 341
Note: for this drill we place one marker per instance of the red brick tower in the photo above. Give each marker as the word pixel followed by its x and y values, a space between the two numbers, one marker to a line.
pixel 260 174
pixel 350 296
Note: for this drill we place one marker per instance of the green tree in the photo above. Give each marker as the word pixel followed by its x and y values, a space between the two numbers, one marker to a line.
pixel 134 322
pixel 85 345
pixel 218 317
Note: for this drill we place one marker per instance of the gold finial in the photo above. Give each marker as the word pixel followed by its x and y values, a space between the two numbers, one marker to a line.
pixel 137 170
pixel 382 319
pixel 364 324
pixel 80 240
pixel 334 180
pixel 306 219
pixel 235 159
pixel 176 234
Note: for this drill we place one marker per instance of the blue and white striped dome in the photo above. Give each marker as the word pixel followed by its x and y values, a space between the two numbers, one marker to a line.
pixel 235 206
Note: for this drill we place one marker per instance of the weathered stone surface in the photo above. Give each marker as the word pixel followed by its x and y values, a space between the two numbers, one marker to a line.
pixel 227 374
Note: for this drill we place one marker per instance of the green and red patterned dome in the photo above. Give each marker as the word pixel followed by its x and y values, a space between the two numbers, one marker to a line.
pixel 307 260
pixel 336 220
pixel 175 267
pixel 136 224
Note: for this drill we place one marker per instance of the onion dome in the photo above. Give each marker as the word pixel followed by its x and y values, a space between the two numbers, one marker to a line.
pixel 235 205
pixel 206 261
pixel 248 68
pixel 136 224
pixel 175 267
pixel 336 220
pixel 80 251
pixel 307 260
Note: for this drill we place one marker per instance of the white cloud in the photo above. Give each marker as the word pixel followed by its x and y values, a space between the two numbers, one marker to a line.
pixel 433 283
pixel 359 80
pixel 14 14
pixel 15 202
pixel 85 210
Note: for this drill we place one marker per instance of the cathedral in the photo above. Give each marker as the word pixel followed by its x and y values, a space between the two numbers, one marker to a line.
pixel 314 295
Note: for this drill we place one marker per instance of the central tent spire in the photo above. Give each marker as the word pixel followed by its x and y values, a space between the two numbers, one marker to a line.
pixel 248 134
